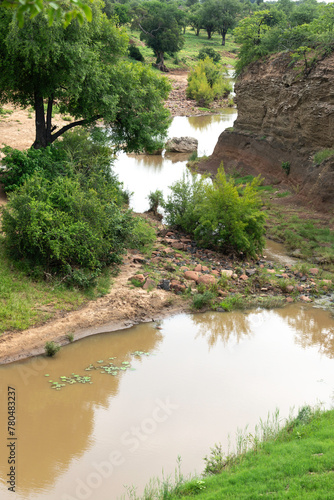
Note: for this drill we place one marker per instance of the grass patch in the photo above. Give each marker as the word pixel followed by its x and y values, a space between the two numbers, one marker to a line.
pixel 322 155
pixel 188 55
pixel 310 239
pixel 25 302
pixel 295 461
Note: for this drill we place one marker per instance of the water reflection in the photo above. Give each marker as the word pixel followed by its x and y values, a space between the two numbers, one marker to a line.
pixel 223 327
pixel 142 174
pixel 212 373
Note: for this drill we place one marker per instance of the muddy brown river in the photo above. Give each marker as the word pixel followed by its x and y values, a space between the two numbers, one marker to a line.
pixel 197 379
pixel 113 410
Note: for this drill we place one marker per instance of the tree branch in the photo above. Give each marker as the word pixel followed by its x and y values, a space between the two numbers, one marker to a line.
pixel 73 124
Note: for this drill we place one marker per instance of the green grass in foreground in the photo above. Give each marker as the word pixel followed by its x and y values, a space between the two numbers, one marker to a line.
pixel 25 302
pixel 297 462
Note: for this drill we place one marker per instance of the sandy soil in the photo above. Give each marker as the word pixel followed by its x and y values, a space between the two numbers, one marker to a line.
pixel 121 308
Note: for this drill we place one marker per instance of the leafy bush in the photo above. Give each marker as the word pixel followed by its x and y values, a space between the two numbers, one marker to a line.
pixel 216 214
pixel 142 235
pixel 201 300
pixel 134 53
pixel 209 52
pixel 20 165
pixel 51 348
pixel 64 227
pixel 155 199
pixel 207 81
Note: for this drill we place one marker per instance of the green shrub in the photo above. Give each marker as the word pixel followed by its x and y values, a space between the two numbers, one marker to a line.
pixel 286 166
pixel 51 348
pixel 64 227
pixel 155 199
pixel 209 52
pixel 134 53
pixel 142 235
pixel 216 214
pixel 207 81
pixel 20 165
pixel 201 300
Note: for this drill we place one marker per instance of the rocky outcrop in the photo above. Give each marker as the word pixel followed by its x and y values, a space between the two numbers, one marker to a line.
pixel 182 145
pixel 284 116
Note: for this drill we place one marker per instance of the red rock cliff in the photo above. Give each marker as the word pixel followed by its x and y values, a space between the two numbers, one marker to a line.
pixel 283 116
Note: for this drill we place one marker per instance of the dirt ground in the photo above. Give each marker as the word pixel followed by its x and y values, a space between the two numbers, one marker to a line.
pixel 121 308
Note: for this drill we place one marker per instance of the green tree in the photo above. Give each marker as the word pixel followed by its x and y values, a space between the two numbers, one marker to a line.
pixel 160 26
pixel 209 19
pixel 226 16
pixel 195 18
pixel 81 69
pixel 55 9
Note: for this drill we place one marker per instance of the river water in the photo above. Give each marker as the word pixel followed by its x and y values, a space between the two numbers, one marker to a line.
pixel 203 377
pixel 173 389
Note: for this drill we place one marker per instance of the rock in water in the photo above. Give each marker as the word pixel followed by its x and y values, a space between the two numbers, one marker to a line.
pixel 182 144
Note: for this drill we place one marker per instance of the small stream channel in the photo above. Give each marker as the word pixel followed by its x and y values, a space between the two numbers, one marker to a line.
pixel 195 380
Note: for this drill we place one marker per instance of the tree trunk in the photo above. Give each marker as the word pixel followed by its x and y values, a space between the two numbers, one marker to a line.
pixel 223 34
pixel 160 62
pixel 209 32
pixel 197 31
pixel 40 128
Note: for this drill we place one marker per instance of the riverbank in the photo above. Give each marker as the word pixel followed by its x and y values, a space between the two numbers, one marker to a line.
pixel 295 461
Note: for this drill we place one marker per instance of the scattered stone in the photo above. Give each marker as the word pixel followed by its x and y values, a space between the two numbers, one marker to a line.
pixel 206 279
pixel 138 277
pixel 227 272
pixel 177 286
pixel 243 277
pixel 205 269
pixel 149 284
pixel 300 288
pixel 177 245
pixel 165 285
pixel 215 273
pixel 191 275
pixel 184 268
pixel 329 282
pixel 250 272
pixel 304 298
pixel 289 299
pixel 290 288
pixel 314 271
pixel 271 271
pixel 221 293
pixel 198 268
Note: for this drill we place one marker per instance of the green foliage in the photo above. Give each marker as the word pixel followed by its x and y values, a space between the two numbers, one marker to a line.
pixel 135 53
pixel 207 81
pixel 214 464
pixel 155 199
pixel 65 228
pixel 54 9
pixel 51 348
pixel 20 165
pixel 298 29
pixel 142 235
pixel 286 166
pixel 216 214
pixel 209 52
pixel 204 299
pixel 160 25
pixel 82 69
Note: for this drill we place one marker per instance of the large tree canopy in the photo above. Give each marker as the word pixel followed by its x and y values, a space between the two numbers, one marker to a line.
pixel 81 69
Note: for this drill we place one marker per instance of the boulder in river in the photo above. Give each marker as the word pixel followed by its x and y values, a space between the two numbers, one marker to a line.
pixel 182 145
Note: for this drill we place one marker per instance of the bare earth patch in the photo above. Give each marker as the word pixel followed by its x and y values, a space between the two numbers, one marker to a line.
pixel 121 308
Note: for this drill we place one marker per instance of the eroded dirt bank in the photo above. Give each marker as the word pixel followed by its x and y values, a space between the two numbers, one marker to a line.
pixel 285 116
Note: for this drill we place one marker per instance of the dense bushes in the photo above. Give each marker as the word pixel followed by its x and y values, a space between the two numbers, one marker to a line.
pixel 216 214
pixel 208 81
pixel 61 226
pixel 66 216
